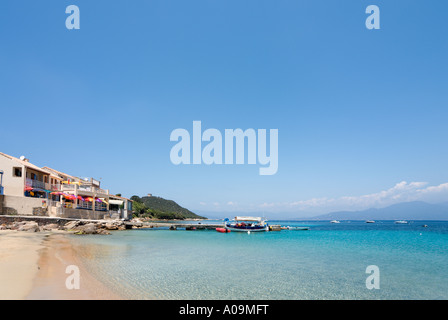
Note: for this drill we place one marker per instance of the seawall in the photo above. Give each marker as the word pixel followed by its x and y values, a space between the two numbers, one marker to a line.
pixel 4 219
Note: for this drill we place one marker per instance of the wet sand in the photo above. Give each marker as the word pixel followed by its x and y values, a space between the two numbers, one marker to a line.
pixel 57 254
pixel 33 267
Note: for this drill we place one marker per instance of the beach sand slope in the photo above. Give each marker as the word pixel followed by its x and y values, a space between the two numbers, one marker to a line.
pixel 33 266
pixel 19 254
pixel 57 254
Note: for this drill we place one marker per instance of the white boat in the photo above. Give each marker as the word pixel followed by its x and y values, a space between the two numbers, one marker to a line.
pixel 335 221
pixel 247 224
pixel 401 222
pixel 370 221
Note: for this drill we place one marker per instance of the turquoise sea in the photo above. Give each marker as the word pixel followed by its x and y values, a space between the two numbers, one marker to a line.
pixel 328 261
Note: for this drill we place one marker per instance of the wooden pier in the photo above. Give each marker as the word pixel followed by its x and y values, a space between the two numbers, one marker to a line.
pixel 177 225
pixel 188 226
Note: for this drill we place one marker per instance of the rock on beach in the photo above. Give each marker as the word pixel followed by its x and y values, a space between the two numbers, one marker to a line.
pixel 75 226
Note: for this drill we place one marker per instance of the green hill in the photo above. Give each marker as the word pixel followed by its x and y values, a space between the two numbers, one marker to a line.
pixel 160 208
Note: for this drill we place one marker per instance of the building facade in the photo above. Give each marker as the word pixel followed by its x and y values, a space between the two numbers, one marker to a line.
pixel 31 190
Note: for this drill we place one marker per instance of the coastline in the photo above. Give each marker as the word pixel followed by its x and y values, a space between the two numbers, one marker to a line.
pixel 19 256
pixel 57 254
pixel 33 267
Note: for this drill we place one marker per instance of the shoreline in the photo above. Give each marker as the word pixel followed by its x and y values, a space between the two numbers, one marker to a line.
pixel 57 254
pixel 19 255
pixel 33 267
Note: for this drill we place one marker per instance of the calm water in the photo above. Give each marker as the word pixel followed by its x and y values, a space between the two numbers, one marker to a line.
pixel 326 262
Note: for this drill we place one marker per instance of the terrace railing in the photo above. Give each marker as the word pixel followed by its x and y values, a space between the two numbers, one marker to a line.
pixel 36 184
pixel 67 187
pixel 86 188
pixel 102 191
pixel 55 187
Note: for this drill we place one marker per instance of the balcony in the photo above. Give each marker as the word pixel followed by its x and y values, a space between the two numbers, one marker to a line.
pixel 81 205
pixel 89 189
pixel 89 205
pixel 68 187
pixel 1 181
pixel 55 187
pixel 36 184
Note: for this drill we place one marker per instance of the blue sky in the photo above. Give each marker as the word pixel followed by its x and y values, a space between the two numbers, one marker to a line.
pixel 358 111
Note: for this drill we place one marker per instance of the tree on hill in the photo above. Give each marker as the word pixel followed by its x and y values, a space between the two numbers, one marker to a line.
pixel 160 208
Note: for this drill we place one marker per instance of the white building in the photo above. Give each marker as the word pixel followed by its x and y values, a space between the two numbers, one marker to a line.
pixel 31 190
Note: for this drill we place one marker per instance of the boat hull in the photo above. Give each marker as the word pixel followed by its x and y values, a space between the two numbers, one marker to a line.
pixel 246 229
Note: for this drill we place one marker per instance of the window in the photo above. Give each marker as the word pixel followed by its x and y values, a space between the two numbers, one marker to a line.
pixel 17 172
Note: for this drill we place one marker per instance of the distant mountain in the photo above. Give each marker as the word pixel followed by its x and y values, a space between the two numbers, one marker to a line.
pixel 161 208
pixel 232 214
pixel 415 210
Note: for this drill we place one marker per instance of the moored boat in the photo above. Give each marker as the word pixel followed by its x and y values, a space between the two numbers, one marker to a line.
pixel 246 224
pixel 222 230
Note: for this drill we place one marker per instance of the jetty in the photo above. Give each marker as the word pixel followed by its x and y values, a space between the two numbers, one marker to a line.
pixel 119 224
pixel 179 225
pixel 197 226
pixel 44 220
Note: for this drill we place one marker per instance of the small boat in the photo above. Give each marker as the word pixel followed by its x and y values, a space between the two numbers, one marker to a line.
pixel 335 221
pixel 401 222
pixel 222 230
pixel 246 224
pixel 370 221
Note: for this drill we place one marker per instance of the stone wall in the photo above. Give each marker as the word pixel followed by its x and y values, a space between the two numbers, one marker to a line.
pixel 40 220
pixel 27 206
pixel 82 214
pixel 13 205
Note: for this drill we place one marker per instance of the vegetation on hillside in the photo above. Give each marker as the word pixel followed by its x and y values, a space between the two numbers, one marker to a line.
pixel 160 208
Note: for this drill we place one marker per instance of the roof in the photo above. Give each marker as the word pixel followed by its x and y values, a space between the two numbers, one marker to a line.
pixel 248 218
pixel 26 163
pixel 61 174
pixel 119 197
pixel 117 202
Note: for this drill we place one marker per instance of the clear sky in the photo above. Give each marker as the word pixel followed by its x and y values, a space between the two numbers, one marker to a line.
pixel 361 114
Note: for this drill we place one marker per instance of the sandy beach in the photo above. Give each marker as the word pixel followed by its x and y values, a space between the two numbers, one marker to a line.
pixel 33 267
pixel 19 255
